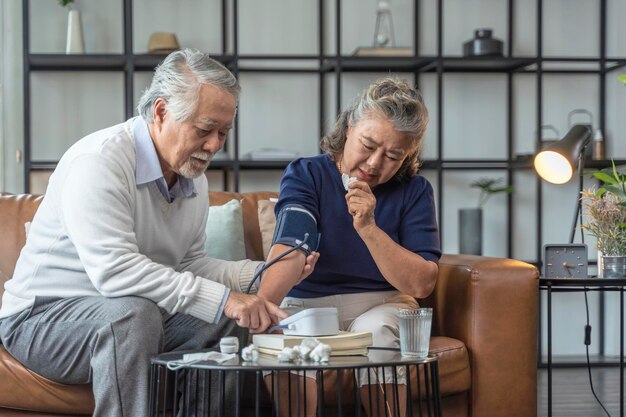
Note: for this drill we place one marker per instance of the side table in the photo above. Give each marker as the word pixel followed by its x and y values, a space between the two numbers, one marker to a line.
pixel 170 395
pixel 561 284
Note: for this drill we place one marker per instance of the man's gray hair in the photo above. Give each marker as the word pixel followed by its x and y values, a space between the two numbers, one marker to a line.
pixel 178 80
pixel 394 99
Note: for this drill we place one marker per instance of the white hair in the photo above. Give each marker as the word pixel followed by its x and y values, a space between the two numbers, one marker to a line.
pixel 178 80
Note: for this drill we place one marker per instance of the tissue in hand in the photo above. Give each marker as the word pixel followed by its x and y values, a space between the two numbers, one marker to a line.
pixel 347 180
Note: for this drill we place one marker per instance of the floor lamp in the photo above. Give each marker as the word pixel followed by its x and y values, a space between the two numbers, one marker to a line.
pixel 556 163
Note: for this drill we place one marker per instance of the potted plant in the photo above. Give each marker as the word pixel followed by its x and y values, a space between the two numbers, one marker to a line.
pixel 74 43
pixel 471 219
pixel 606 220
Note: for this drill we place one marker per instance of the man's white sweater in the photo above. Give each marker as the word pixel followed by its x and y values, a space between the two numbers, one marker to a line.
pixel 97 233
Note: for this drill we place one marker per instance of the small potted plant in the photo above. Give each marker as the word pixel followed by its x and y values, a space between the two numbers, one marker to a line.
pixel 471 219
pixel 606 220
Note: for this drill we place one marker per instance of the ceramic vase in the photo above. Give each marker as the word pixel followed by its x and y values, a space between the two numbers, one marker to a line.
pixel 75 43
pixel 471 231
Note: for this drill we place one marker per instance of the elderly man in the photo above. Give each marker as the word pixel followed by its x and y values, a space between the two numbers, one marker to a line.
pixel 114 269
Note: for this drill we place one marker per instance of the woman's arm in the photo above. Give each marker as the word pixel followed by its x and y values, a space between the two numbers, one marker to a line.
pixel 408 272
pixel 279 278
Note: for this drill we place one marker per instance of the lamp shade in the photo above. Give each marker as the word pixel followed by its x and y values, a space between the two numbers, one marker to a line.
pixel 556 163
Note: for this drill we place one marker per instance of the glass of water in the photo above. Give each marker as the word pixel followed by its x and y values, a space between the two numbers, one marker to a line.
pixel 415 324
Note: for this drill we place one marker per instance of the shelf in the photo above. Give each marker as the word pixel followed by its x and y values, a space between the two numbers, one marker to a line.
pixel 43 165
pixel 267 164
pixel 428 64
pixel 216 164
pixel 82 62
pixel 444 164
pixel 578 361
pixel 148 62
pixel 374 64
pixel 247 164
pixel 605 163
pixel 100 62
pixel 482 64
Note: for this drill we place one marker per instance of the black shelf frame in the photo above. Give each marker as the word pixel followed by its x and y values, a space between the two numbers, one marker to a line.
pixel 326 64
pixel 338 64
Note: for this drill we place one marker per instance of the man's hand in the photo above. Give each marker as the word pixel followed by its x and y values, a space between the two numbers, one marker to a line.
pixel 255 313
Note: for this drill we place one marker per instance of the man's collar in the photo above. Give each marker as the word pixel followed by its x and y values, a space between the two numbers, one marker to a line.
pixel 148 167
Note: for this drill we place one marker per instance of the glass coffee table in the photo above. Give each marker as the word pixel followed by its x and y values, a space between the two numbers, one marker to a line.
pixel 237 387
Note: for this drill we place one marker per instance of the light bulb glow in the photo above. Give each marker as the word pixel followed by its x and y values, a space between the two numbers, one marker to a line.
pixel 553 167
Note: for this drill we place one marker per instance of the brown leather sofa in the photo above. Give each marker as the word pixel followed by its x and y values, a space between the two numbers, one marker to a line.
pixel 484 328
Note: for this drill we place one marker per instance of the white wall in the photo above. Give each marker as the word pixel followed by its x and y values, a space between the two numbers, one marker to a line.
pixel 281 109
pixel 2 140
pixel 11 120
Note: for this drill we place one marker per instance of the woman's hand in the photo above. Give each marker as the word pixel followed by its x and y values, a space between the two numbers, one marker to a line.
pixel 361 205
pixel 309 266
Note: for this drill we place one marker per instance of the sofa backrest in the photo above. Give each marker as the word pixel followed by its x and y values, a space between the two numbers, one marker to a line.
pixel 249 204
pixel 16 210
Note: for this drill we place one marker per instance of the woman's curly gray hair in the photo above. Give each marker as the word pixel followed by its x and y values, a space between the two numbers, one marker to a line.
pixel 394 99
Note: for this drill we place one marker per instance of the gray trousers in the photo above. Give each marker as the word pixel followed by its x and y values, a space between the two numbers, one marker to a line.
pixel 108 342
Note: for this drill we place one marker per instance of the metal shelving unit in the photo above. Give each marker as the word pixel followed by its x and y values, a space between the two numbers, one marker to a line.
pixel 325 64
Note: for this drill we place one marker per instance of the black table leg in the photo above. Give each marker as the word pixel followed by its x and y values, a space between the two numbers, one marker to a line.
pixel 549 351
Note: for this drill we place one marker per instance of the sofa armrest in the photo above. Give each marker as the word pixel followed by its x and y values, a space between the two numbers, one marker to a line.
pixel 491 304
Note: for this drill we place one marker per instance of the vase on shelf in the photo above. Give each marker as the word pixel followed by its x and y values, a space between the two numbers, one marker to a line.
pixel 471 231
pixel 75 43
pixel 613 267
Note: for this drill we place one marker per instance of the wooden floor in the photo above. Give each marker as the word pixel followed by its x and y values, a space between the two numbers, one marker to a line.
pixel 571 394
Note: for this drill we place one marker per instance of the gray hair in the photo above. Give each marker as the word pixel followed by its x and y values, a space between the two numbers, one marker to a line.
pixel 394 99
pixel 178 80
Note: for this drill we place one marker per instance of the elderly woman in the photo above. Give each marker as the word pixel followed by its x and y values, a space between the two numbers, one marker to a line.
pixel 379 244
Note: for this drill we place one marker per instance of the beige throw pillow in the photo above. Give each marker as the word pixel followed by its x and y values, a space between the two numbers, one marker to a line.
pixel 267 223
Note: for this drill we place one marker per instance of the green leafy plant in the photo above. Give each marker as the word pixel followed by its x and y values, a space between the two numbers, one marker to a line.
pixel 606 211
pixel 613 182
pixel 490 186
pixel 65 3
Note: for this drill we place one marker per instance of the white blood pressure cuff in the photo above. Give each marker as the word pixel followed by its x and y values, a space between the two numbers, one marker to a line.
pixel 292 224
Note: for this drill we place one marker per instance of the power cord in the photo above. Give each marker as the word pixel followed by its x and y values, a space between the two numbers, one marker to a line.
pixel 258 274
pixel 587 343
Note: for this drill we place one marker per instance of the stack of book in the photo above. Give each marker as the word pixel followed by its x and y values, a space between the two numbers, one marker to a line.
pixel 342 344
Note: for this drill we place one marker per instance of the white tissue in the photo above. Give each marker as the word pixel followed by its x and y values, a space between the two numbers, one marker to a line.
pixel 250 353
pixel 206 356
pixel 287 355
pixel 321 353
pixel 347 180
pixel 191 358
pixel 302 351
pixel 309 348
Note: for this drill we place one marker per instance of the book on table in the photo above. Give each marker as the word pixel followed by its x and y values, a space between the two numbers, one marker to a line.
pixel 342 344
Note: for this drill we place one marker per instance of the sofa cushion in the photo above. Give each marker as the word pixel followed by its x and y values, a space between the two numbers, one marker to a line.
pixel 30 391
pixel 249 200
pixel 267 224
pixel 454 365
pixel 224 232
